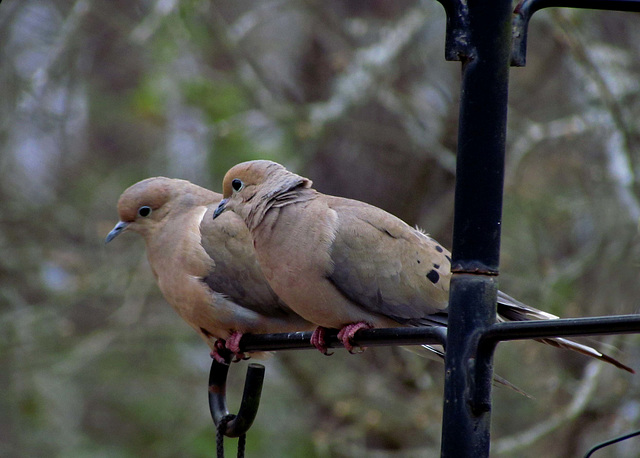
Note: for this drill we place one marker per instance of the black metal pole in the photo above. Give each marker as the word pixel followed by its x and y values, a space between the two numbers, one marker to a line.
pixel 478 212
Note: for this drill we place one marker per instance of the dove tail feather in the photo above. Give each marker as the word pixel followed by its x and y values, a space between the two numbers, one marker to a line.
pixel 560 342
pixel 510 309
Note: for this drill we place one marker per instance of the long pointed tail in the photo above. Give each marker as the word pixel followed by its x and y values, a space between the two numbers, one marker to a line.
pixel 510 309
pixel 561 342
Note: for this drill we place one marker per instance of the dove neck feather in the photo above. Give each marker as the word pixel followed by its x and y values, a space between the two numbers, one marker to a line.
pixel 290 191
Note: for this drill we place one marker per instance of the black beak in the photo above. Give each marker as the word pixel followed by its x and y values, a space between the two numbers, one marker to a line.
pixel 116 231
pixel 221 208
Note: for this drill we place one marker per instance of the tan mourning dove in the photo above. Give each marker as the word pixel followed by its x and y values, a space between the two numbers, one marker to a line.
pixel 206 269
pixel 345 264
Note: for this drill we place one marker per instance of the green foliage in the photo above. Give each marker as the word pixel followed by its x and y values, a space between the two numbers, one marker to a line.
pixel 218 100
pixel 149 101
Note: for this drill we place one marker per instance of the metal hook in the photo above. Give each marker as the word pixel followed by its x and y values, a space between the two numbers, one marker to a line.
pixel 241 422
pixel 611 442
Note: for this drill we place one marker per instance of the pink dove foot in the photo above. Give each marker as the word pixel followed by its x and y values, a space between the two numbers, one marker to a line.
pixel 347 333
pixel 317 340
pixel 233 345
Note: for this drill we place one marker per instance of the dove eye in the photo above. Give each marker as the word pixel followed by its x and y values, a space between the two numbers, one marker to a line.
pixel 144 211
pixel 237 184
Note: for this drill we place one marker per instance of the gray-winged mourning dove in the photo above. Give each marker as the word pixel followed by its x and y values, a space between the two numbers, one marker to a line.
pixel 345 264
pixel 206 269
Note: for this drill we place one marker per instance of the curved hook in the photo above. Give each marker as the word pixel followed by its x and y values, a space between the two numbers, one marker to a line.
pixel 241 422
pixel 611 442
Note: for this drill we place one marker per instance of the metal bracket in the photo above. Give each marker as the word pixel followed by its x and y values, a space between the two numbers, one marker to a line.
pixel 525 9
pixel 458 43
pixel 487 340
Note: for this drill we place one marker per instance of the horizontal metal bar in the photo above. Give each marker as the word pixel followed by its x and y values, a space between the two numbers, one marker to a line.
pixel 519 330
pixel 562 327
pixel 526 8
pixel 365 338
pixel 609 5
pixel 488 338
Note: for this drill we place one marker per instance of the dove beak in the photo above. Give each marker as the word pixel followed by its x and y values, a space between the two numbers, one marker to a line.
pixel 116 231
pixel 221 207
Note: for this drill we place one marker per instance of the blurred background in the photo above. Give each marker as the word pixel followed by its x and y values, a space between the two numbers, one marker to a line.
pixel 96 95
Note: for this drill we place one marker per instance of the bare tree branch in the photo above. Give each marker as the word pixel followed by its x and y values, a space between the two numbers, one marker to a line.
pixel 584 394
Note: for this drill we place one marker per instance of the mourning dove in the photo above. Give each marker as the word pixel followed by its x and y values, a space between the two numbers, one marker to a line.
pixel 206 269
pixel 345 264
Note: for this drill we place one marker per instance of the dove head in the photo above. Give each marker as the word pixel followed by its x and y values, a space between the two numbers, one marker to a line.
pixel 143 205
pixel 251 188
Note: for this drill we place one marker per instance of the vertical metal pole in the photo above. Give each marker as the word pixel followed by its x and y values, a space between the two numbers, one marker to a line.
pixel 478 212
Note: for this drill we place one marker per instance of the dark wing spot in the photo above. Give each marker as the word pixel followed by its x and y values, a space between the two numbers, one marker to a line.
pixel 389 234
pixel 448 258
pixel 436 266
pixel 433 276
pixel 439 249
pixel 206 333
pixel 418 261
